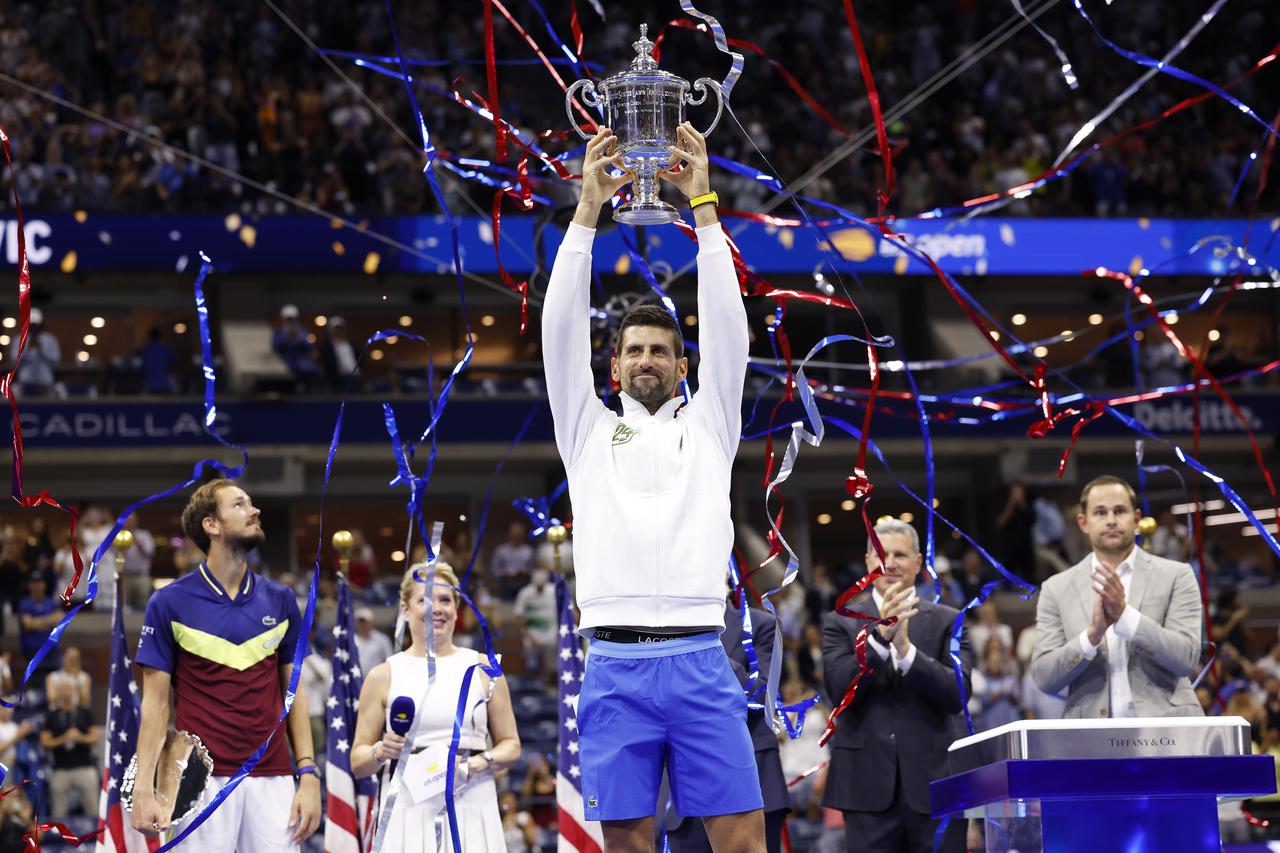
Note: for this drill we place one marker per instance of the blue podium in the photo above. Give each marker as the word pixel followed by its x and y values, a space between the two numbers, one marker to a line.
pixel 1067 786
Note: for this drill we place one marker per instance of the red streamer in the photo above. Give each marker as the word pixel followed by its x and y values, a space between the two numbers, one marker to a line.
pixel 873 98
pixel 523 195
pixel 31 839
pixel 6 386
pixel 491 75
pixel 575 27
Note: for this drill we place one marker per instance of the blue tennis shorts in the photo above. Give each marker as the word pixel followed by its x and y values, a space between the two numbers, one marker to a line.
pixel 675 704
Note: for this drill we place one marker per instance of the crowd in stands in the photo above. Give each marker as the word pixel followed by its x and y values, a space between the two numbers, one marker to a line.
pixel 236 86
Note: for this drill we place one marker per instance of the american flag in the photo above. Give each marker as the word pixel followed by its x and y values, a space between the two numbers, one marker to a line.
pixel 348 826
pixel 576 833
pixel 122 735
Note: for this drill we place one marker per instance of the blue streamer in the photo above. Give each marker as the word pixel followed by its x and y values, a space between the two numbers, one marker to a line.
pixel 573 58
pixel 940 832
pixel 753 688
pixel 451 776
pixel 428 147
pixel 538 510
pixel 493 183
pixel 1203 578
pixel 1024 589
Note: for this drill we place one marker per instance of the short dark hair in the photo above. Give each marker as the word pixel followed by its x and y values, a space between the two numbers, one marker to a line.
pixel 652 315
pixel 1106 480
pixel 203 503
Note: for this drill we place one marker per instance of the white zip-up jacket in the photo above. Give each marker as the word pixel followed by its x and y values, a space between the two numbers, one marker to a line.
pixel 651 528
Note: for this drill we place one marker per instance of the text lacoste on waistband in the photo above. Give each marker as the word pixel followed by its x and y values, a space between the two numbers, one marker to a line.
pixel 640 638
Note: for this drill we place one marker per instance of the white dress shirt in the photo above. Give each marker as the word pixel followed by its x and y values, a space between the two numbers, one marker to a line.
pixel 901 663
pixel 1117 639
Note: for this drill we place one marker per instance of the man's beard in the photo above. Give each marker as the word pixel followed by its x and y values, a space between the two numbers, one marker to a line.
pixel 247 541
pixel 649 393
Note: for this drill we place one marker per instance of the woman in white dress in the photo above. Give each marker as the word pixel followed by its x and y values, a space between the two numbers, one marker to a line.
pixel 488 740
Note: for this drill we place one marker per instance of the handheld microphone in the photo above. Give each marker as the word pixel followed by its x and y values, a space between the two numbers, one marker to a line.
pixel 401 715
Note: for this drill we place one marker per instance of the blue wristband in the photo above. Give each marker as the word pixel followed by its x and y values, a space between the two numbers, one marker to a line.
pixel 310 769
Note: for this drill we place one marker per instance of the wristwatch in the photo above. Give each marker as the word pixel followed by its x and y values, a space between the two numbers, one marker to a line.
pixel 488 759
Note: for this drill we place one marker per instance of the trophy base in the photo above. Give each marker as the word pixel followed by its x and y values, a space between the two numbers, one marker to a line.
pixel 646 213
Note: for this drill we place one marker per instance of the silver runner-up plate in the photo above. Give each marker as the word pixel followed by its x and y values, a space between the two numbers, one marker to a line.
pixel 182 776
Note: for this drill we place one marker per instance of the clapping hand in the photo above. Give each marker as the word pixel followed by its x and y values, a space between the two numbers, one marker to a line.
pixel 1106 582
pixel 901 601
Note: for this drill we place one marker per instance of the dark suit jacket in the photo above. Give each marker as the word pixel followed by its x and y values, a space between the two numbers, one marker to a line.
pixel 897 724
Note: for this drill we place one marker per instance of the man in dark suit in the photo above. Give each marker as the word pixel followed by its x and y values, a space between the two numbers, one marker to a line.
pixel 687 835
pixel 892 740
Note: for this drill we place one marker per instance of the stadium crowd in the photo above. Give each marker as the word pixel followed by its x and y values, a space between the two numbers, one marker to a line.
pixel 236 86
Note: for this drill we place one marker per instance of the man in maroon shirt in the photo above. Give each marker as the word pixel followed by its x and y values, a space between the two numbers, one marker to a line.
pixel 217 644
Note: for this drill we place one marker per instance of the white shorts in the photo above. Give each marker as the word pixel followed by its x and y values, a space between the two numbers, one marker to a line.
pixel 253 819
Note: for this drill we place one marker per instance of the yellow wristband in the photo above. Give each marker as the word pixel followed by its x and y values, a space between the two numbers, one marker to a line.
pixel 708 198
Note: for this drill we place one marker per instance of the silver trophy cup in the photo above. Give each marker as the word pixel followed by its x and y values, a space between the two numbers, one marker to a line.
pixel 644 106
pixel 182 776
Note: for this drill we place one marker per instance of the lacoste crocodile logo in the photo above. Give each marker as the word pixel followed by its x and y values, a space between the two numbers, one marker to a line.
pixel 623 434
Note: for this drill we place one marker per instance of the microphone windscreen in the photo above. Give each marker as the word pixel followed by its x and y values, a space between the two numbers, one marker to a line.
pixel 401 715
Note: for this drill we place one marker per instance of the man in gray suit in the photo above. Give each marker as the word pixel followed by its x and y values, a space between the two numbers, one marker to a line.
pixel 1120 630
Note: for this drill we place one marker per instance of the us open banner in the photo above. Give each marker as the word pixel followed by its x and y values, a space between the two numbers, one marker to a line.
pixel 986 246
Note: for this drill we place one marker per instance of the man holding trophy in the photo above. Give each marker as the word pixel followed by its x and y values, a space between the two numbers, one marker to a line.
pixel 652 531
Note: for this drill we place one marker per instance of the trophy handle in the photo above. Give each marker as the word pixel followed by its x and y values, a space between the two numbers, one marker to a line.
pixel 590 97
pixel 702 85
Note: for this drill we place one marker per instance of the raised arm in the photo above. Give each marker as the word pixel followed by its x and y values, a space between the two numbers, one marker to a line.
pixel 723 340
pixel 566 321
